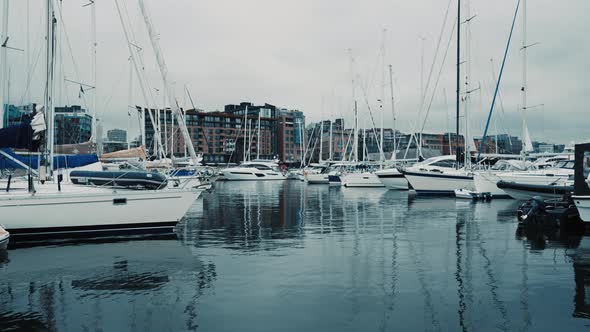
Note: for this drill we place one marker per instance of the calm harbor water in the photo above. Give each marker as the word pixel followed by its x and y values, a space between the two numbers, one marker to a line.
pixel 285 256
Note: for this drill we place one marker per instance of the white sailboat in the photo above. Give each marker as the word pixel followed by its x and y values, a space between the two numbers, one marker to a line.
pixel 520 178
pixel 48 207
pixel 434 180
pixel 392 178
pixel 359 175
pixel 438 176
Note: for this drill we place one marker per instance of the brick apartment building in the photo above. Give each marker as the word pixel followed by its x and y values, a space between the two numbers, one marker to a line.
pixel 221 136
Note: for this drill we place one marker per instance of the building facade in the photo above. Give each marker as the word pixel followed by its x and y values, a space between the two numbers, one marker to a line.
pixel 230 136
pixel 117 135
pixel 73 125
pixel 14 115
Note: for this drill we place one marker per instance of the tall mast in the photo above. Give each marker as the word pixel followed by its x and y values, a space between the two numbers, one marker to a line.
pixel 3 62
pixel 467 140
pixel 321 140
pixel 365 153
pixel 458 152
pixel 523 89
pixel 50 40
pixel 144 87
pixel 28 95
pixel 93 56
pixel 165 122
pixel 168 88
pixel 393 155
pixel 258 138
pixel 382 150
pixel 356 136
pixel 302 143
pixel 129 102
pixel 330 154
pixel 422 97
pixel 245 131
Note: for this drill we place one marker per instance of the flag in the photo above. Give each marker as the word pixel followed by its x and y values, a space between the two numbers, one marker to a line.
pixel 81 92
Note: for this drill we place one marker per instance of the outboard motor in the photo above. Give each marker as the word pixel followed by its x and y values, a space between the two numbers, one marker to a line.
pixel 531 209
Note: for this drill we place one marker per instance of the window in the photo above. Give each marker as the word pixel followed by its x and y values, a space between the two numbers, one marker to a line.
pixel 444 163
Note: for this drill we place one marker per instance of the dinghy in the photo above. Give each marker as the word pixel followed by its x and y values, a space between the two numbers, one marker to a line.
pixel 120 179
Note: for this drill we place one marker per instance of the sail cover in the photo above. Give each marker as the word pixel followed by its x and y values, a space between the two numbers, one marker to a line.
pixel 26 135
pixel 11 160
pixel 138 152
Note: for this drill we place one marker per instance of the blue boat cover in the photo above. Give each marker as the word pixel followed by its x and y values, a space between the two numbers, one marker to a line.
pixel 61 161
pixel 19 137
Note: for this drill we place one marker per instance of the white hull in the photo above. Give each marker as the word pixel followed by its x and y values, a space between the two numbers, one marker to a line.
pixel 251 174
pixel 534 178
pixel 81 209
pixel 583 205
pixel 522 195
pixel 486 182
pixel 367 180
pixel 392 179
pixel 463 194
pixel 317 178
pixel 434 183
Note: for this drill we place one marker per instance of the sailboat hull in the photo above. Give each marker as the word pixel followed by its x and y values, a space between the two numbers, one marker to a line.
pixel 434 183
pixel 392 179
pixel 317 178
pixel 365 180
pixel 486 182
pixel 88 212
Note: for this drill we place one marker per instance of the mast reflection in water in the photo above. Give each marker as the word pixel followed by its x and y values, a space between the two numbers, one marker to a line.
pixel 268 256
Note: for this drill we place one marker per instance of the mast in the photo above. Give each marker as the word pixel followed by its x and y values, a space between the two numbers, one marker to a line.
pixel 168 88
pixel 258 138
pixel 245 131
pixel 302 143
pixel 365 152
pixel 382 150
pixel 165 122
pixel 523 89
pixel 322 131
pixel 93 57
pixel 50 42
pixel 422 97
pixel 146 91
pixel 129 102
pixel 3 62
pixel 356 135
pixel 458 152
pixel 28 94
pixel 393 155
pixel 381 155
pixel 330 156
pixel 467 140
pixel 249 139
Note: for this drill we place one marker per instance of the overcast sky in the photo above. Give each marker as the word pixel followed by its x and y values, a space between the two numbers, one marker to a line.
pixel 295 54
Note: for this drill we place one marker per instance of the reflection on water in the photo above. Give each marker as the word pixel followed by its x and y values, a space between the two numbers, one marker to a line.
pixel 268 256
pixel 582 278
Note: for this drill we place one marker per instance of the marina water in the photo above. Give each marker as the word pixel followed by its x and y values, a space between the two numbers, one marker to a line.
pixel 286 256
